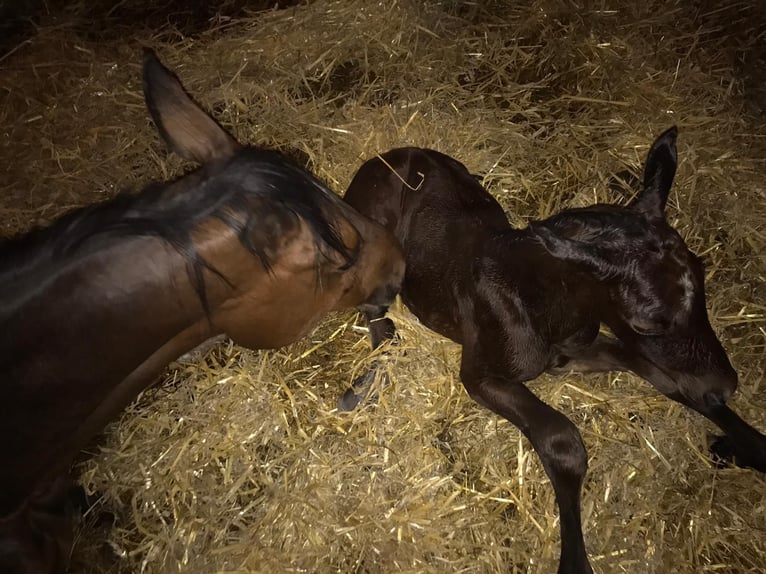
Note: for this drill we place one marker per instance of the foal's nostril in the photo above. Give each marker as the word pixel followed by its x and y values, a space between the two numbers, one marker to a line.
pixel 721 389
pixel 714 399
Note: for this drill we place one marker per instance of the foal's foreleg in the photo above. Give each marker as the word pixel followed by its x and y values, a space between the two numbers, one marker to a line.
pixel 741 443
pixel 558 444
pixel 381 329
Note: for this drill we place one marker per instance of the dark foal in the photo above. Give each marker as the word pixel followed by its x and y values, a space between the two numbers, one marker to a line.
pixel 93 307
pixel 522 302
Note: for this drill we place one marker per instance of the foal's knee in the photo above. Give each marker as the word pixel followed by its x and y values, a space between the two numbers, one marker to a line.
pixel 562 451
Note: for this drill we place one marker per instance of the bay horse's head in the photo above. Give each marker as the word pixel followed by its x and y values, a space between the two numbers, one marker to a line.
pixel 655 292
pixel 95 305
pixel 361 257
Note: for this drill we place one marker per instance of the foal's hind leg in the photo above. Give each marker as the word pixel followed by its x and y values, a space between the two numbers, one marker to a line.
pixel 741 442
pixel 555 439
pixel 381 329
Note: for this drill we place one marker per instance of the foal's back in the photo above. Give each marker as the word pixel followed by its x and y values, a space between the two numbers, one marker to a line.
pixel 444 219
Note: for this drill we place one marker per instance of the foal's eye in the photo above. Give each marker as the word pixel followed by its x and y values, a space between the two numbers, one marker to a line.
pixel 651 332
pixel 650 327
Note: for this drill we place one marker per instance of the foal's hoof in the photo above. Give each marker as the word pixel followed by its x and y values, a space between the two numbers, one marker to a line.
pixel 721 451
pixel 350 400
pixel 725 454
pixel 361 391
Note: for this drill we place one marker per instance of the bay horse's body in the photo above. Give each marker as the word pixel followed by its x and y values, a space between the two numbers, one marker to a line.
pixel 93 307
pixel 522 302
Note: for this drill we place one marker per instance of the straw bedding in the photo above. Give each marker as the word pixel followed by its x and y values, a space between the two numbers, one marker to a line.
pixel 238 462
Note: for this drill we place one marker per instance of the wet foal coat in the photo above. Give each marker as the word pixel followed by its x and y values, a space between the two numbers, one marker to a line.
pixel 93 307
pixel 522 302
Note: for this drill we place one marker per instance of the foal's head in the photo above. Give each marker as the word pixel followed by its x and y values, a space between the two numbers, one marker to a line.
pixel 655 286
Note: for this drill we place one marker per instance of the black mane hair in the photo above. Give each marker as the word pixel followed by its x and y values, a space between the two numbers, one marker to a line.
pixel 171 210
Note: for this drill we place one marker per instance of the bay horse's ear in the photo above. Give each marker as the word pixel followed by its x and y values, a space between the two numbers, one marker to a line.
pixel 659 171
pixel 187 128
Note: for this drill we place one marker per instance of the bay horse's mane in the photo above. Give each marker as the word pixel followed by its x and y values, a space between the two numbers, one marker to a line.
pixel 172 210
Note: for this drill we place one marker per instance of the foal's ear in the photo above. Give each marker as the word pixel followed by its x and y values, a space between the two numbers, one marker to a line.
pixel 659 171
pixel 187 129
pixel 590 256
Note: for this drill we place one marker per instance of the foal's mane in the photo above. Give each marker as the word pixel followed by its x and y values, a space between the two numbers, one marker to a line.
pixel 240 192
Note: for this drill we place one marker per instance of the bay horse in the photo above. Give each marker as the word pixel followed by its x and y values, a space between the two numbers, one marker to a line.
pixel 96 305
pixel 525 301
